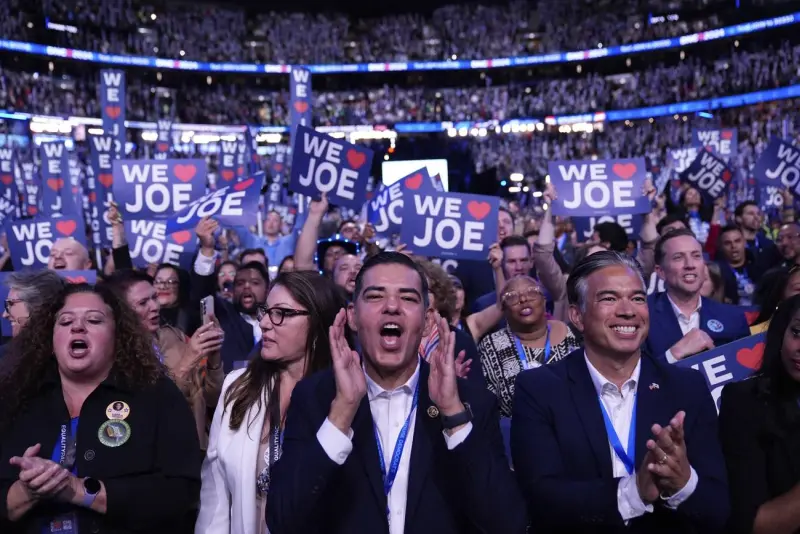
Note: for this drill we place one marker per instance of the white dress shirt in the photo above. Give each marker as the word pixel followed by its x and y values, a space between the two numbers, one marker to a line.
pixel 389 412
pixel 687 324
pixel 618 403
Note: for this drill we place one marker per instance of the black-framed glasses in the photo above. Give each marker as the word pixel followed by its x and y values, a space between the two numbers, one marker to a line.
pixel 277 315
pixel 531 293
pixel 9 303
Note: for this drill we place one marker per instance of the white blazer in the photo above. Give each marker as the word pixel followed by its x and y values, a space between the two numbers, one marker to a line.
pixel 228 503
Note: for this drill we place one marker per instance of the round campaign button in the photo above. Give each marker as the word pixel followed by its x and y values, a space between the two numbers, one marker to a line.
pixel 118 410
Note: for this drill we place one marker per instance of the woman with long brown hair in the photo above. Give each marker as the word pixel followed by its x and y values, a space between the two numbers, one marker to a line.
pixel 246 432
pixel 92 431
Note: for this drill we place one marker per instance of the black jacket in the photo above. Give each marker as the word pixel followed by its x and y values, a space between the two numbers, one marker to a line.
pixel 152 480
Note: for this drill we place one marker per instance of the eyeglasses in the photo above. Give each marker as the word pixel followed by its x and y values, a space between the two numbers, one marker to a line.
pixel 166 283
pixel 277 315
pixel 9 303
pixel 532 293
pixel 22 321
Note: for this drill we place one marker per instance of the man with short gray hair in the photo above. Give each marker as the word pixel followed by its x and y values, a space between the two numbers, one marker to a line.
pixel 652 462
pixel 28 291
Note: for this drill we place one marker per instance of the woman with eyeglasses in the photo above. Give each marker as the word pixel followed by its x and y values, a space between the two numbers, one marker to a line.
pixel 173 289
pixel 529 340
pixel 28 291
pixel 246 433
pixel 759 430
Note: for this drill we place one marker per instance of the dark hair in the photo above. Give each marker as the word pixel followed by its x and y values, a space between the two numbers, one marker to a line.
pixel 613 234
pixel 391 258
pixel 769 291
pixel 122 280
pixel 184 283
pixel 440 285
pixel 319 296
pixel 251 251
pixel 739 211
pixel 715 274
pixel 226 262
pixel 659 249
pixel 344 222
pixel 729 228
pixel 30 355
pixel 515 241
pixel 669 219
pixel 503 208
pixel 255 266
pixel 283 261
pixel 774 381
pixel 577 283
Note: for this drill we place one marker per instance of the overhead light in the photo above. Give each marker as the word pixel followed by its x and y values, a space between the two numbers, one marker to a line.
pixel 514 189
pixel 95 131
pixel 537 194
pixel 153 16
pixel 516 177
pixel 526 189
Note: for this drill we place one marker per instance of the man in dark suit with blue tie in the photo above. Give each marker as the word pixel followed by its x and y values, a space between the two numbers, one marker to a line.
pixel 685 323
pixel 612 441
pixel 385 442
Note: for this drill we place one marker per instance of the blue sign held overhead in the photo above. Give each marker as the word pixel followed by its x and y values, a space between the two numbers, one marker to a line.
pixel 146 189
pixel 29 241
pixel 151 242
pixel 385 209
pixel 112 108
pixel 709 174
pixel 57 193
pixel 232 205
pixel 722 141
pixel 584 226
pixel 779 166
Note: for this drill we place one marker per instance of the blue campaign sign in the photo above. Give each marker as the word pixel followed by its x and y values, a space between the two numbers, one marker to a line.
pixel 233 205
pixel 112 107
pixel 584 226
pixel 251 150
pixel 449 225
pixel 163 145
pixel 720 141
pixel 729 363
pixel 8 186
pixel 385 209
pixel 779 166
pixel 151 242
pixel 600 187
pixel 708 174
pixel 29 241
pixel 31 188
pixel 300 100
pixel 100 182
pixel 228 162
pixel 277 169
pixel 769 197
pixel 146 189
pixel 681 158
pixel 57 195
pixel 322 164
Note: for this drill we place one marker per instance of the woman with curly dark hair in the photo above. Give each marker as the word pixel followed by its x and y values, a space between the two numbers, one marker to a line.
pixel 93 434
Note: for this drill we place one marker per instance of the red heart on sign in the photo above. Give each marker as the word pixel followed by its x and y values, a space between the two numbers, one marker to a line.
pixel 66 227
pixel 163 147
pixel 106 179
pixel 182 236
pixel 301 106
pixel 92 196
pixel 726 175
pixel 113 111
pixel 414 182
pixel 478 210
pixel 243 185
pixel 74 190
pixel 55 183
pixel 751 316
pixel 227 175
pixel 624 170
pixel 356 159
pixel 370 194
pixel 278 167
pixel 727 134
pixel 254 157
pixel 33 210
pixel 751 358
pixel 239 171
pixel 7 179
pixel 184 173
pixel 76 279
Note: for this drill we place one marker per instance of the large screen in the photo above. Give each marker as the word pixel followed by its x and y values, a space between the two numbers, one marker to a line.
pixel 393 171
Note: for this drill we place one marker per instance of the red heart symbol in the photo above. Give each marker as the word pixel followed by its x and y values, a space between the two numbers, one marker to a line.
pixel 356 159
pixel 182 236
pixel 239 171
pixel 726 175
pixel 66 227
pixel 478 210
pixel 751 357
pixel 92 196
pixel 113 111
pixel 301 106
pixel 414 182
pixel 624 170
pixel 74 190
pixel 184 173
pixel 751 316
pixel 163 147
pixel 254 157
pixel 7 179
pixel 278 167
pixel 227 175
pixel 55 183
pixel 33 210
pixel 727 134
pixel 370 194
pixel 76 279
pixel 106 179
pixel 243 185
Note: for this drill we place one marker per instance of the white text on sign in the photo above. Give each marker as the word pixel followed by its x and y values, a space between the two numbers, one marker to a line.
pixel 326 174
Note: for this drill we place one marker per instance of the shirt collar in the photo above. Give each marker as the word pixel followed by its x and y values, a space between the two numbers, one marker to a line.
pixel 679 313
pixel 374 390
pixel 601 383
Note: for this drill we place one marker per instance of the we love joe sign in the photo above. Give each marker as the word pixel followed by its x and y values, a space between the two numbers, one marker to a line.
pixel 599 187
pixel 148 189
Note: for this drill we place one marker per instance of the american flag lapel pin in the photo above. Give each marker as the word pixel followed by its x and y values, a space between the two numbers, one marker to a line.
pixel 653 386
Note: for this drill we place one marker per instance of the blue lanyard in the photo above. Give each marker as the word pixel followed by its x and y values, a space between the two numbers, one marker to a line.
pixel 521 350
pixel 64 451
pixel 388 478
pixel 626 456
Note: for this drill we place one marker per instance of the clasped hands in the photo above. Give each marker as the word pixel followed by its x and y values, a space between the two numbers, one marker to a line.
pixel 665 469
pixel 43 479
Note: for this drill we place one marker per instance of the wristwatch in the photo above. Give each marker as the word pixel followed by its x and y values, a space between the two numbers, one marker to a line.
pixel 461 418
pixel 91 487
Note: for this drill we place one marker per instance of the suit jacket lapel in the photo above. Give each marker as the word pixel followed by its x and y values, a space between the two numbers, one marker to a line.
pixel 426 431
pixel 651 406
pixel 367 450
pixel 587 405
pixel 668 321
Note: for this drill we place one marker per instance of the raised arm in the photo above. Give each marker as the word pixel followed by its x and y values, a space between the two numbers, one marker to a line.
pixel 307 241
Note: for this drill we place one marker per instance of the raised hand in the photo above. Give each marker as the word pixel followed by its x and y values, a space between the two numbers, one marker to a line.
pixel 670 463
pixel 205 232
pixel 402 249
pixel 351 384
pixel 442 386
pixel 207 340
pixel 114 216
pixel 495 256
pixel 463 367
pixel 319 207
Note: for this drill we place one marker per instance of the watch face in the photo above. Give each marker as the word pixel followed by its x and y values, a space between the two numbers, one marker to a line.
pixel 91 485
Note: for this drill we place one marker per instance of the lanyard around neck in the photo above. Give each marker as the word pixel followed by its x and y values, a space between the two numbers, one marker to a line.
pixel 523 358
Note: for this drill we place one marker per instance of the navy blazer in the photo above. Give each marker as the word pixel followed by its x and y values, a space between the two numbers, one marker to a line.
pixel 665 330
pixel 562 456
pixel 469 489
